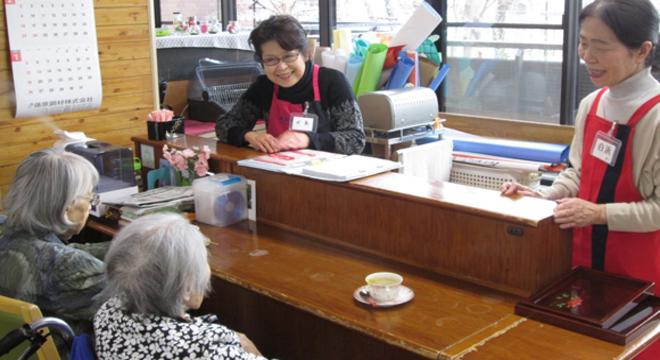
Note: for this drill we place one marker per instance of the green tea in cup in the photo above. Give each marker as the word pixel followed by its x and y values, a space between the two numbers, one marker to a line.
pixel 384 286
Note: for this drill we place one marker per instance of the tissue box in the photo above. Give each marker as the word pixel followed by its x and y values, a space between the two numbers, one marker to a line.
pixel 220 199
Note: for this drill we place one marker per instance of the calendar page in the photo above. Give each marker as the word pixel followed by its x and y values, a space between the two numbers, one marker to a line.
pixel 54 56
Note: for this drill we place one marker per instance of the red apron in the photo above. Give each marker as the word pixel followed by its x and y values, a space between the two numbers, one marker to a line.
pixel 280 110
pixel 629 253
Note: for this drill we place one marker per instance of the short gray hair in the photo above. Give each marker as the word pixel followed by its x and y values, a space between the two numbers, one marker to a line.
pixel 154 262
pixel 46 183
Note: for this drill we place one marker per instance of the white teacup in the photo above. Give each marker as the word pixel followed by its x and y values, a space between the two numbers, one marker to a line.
pixel 384 286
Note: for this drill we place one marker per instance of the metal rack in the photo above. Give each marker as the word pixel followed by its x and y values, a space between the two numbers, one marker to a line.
pixel 388 138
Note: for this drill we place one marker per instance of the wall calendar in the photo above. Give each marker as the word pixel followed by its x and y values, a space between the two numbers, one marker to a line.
pixel 54 56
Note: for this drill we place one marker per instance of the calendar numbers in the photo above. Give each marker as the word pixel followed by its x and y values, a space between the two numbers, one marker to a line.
pixel 54 55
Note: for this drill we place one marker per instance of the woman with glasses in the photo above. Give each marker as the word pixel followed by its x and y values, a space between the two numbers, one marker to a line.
pixel 47 203
pixel 303 105
pixel 610 196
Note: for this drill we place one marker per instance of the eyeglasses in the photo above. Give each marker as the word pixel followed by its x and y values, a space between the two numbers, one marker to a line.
pixel 94 199
pixel 274 60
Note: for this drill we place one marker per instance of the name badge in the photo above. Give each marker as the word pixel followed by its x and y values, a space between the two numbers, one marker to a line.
pixel 305 122
pixel 605 148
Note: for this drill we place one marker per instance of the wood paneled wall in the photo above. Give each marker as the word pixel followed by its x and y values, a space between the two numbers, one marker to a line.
pixel 124 42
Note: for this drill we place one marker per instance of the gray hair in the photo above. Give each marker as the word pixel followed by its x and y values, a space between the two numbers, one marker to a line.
pixel 46 183
pixel 155 262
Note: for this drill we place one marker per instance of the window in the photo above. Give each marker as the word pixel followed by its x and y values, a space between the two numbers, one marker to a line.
pixel 378 15
pixel 506 58
pixel 505 55
pixel 251 12
pixel 203 10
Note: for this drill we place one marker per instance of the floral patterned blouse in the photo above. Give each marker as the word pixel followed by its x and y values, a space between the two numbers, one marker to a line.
pixel 123 335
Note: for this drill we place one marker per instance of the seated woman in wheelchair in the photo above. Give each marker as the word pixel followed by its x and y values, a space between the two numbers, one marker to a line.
pixel 47 203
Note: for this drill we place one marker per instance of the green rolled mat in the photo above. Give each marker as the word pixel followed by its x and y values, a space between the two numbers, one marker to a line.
pixel 369 74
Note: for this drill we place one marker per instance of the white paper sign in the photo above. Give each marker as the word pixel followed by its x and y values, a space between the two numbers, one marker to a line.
pixel 418 27
pixel 54 56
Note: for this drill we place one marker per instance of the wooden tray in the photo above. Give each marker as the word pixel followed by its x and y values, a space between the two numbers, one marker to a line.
pixel 589 296
pixel 645 316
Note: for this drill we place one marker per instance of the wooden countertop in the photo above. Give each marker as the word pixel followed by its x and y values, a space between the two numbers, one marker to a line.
pixel 447 319
pixel 484 202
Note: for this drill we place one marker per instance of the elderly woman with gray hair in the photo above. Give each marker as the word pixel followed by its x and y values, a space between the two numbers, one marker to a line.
pixel 157 269
pixel 47 203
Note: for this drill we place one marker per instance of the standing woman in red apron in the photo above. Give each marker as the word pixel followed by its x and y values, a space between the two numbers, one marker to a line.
pixel 610 196
pixel 303 105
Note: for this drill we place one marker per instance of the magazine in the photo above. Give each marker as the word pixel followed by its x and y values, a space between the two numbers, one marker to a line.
pixel 321 165
pixel 155 197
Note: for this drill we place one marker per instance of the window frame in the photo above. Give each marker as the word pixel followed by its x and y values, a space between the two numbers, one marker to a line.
pixel 569 26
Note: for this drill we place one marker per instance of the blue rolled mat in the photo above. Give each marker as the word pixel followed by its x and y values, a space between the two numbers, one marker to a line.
pixel 402 70
pixel 352 68
pixel 525 150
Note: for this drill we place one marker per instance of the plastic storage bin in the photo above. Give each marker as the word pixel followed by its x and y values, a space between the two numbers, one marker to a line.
pixel 220 199
pixel 114 163
pixel 218 87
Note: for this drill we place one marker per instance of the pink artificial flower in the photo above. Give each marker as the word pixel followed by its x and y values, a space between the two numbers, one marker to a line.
pixel 188 154
pixel 179 162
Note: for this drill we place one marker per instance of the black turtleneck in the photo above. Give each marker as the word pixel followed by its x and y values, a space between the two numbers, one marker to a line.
pixel 330 85
pixel 340 121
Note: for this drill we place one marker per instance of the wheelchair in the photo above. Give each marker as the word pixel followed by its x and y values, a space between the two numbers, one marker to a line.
pixel 80 347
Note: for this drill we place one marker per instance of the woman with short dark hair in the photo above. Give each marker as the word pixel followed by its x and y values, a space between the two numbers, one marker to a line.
pixel 47 203
pixel 292 86
pixel 610 196
pixel 157 269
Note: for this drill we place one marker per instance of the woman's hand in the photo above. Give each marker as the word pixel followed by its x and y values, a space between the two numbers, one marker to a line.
pixel 247 344
pixel 510 189
pixel 263 141
pixel 292 140
pixel 575 212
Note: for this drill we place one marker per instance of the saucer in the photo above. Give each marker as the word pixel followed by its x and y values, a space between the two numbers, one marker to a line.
pixel 405 294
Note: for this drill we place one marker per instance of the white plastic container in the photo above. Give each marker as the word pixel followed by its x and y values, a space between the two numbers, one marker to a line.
pixel 220 199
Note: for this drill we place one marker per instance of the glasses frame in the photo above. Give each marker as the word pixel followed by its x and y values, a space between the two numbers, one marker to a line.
pixel 292 58
pixel 94 199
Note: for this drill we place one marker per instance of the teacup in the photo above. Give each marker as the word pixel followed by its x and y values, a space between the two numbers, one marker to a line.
pixel 384 286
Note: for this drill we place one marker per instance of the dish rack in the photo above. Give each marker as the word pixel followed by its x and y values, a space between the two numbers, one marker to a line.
pixel 489 177
pixel 226 95
pixel 224 84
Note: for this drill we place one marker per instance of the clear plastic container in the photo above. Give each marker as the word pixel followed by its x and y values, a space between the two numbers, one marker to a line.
pixel 220 199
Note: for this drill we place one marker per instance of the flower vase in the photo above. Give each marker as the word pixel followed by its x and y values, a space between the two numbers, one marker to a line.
pixel 184 177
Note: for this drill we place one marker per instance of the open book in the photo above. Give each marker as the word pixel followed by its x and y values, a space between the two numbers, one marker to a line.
pixel 321 165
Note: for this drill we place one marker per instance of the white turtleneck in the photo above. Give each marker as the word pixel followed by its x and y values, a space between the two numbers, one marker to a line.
pixel 618 104
pixel 622 99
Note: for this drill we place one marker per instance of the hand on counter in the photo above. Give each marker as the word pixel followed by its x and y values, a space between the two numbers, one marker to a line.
pixel 513 189
pixel 293 140
pixel 263 141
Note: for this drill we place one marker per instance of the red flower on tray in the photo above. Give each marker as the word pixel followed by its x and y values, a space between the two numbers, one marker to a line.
pixel 568 301
pixel 574 302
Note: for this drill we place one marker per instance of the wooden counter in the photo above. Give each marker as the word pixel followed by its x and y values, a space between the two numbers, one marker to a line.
pixel 293 297
pixel 464 232
pixel 468 254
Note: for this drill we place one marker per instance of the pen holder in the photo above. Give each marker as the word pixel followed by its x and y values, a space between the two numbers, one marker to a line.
pixel 159 130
